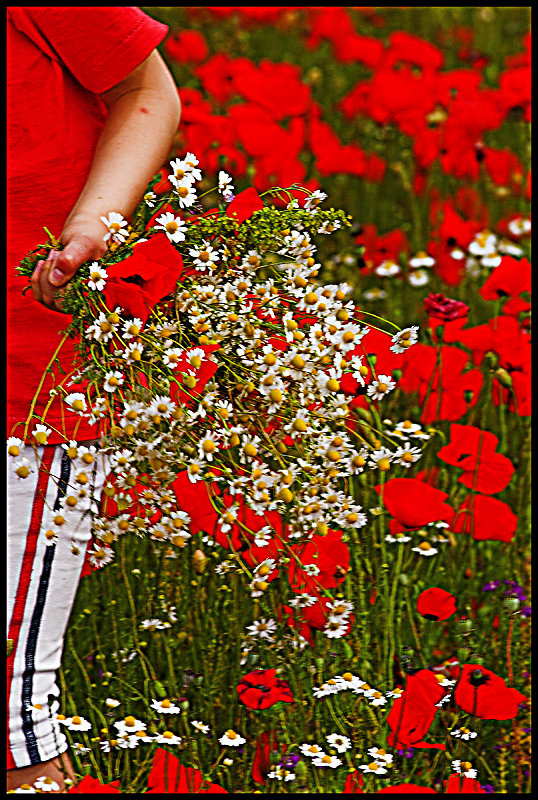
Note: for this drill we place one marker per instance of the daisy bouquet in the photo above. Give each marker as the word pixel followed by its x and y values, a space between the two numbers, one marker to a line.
pixel 218 373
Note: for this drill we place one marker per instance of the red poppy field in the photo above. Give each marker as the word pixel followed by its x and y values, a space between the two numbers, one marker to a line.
pixel 392 653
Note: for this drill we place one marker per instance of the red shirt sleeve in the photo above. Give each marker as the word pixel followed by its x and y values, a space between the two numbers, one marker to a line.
pixel 100 46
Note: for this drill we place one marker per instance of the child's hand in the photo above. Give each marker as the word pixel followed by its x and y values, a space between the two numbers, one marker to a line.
pixel 83 241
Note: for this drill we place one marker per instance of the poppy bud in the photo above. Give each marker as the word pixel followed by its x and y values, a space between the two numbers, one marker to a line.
pixel 464 655
pixel 504 378
pixel 199 562
pixel 511 604
pixel 407 652
pixel 468 395
pixel 476 659
pixel 465 624
pixel 300 770
pixel 404 580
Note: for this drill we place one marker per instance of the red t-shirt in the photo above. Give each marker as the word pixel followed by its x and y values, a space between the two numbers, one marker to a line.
pixel 59 60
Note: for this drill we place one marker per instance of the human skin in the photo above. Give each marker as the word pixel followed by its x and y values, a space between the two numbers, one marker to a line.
pixel 143 115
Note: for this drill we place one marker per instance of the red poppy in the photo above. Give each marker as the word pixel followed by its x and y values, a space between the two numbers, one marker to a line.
pixel 262 689
pixel 503 167
pixel 436 604
pixel 442 381
pixel 169 776
pixel 486 518
pixel 276 87
pixel 330 555
pixel 440 307
pixel 186 47
pixel 511 277
pixel 89 785
pixel 331 155
pixel 459 784
pixel 473 450
pixel 310 618
pixel 484 694
pixel 334 24
pixel 412 714
pixel 415 503
pixel 244 205
pixel 149 274
pixel 407 788
pixel 265 744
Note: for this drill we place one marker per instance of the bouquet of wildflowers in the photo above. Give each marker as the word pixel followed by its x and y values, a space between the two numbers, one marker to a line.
pixel 219 374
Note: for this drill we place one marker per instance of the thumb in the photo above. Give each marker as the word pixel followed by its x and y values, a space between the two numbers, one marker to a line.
pixel 69 259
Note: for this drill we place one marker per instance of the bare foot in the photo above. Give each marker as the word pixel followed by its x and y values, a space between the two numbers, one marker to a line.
pixel 56 770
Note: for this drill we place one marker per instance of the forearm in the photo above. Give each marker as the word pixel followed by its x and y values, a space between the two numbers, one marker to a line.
pixel 134 143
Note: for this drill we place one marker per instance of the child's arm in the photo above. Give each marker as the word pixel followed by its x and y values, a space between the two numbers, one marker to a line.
pixel 143 115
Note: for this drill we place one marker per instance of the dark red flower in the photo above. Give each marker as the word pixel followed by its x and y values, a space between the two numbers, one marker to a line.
pixel 473 450
pixel 436 604
pixel 262 689
pixel 441 307
pixel 415 503
pixel 411 715
pixel 486 518
pixel 140 281
pixel 484 694
pixel 244 205
pixel 169 776
pixel 89 785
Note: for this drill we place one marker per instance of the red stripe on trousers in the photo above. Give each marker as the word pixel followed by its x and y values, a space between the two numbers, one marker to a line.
pixel 26 572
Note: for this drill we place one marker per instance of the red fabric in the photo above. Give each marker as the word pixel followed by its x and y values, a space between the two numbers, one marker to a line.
pixel 58 61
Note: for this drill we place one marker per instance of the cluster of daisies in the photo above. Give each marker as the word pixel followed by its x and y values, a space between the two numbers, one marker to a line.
pixel 235 381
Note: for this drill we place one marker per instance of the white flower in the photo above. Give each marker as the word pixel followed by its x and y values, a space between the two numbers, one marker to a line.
pixel 97 278
pixel 519 226
pixel 167 738
pixel 418 278
pixel 154 624
pixel 407 455
pixel 225 182
pixel 425 549
pixel 174 227
pixel 281 774
pixel 186 168
pixel 130 725
pixel 113 379
pixel 262 628
pixel 165 707
pixel 374 294
pixel 199 726
pixel 149 199
pixel 25 788
pixel 380 387
pixel 115 222
pixel 41 432
pixel 340 743
pixel 14 446
pixel 380 755
pixel 79 748
pixel 374 768
pixel 312 202
pixel 111 702
pixel 186 193
pixel 404 339
pixel 464 768
pixel 77 724
pixel 421 259
pixel 77 401
pixel 400 538
pixel 46 784
pixel 232 739
pixel 491 260
pixel 311 750
pixel 387 269
pixel 327 761
pixel 483 244
pixel 463 733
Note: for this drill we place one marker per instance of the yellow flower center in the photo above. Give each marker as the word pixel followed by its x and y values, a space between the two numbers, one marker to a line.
pixel 171 227
pixel 383 464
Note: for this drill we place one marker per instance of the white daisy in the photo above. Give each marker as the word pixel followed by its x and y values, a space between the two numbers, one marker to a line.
pixel 199 726
pixel 463 733
pixel 167 738
pixel 404 339
pixel 418 278
pixel 425 549
pixel 165 707
pixel 115 222
pixel 174 227
pixel 232 739
pixel 380 755
pixel 264 628
pixel 311 750
pixel 339 742
pixel 327 761
pixel 98 276
pixel 46 784
pixel 113 379
pixel 380 387
pixel 374 768
pixel 77 724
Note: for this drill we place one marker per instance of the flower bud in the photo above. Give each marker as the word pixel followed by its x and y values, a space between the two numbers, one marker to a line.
pixel 465 625
pixel 511 604
pixel 199 562
pixel 404 580
pixel 504 378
